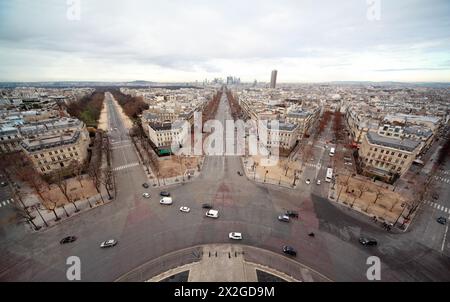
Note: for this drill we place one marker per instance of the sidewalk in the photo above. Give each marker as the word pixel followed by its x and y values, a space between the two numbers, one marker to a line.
pixel 188 176
pixel 251 175
pixel 398 219
pixel 40 213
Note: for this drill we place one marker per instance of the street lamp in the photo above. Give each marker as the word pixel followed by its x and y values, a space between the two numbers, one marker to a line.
pixel 265 175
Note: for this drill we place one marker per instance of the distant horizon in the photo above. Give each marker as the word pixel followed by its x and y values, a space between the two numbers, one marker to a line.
pixel 224 78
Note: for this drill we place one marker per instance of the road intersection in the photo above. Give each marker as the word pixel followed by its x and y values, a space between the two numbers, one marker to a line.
pixel 146 230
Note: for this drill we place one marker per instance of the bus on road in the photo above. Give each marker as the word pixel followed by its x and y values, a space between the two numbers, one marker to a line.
pixel 329 175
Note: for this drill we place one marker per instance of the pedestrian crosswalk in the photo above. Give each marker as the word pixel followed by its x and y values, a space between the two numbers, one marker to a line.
pixel 6 202
pixel 121 146
pixel 442 179
pixel 126 166
pixel 317 166
pixel 437 206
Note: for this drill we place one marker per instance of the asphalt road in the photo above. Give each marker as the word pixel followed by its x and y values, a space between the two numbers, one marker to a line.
pixel 147 230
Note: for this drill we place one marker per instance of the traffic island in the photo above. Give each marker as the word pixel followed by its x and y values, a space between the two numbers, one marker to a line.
pixel 376 200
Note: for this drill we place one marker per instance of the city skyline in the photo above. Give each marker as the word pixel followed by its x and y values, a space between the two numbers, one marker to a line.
pixel 304 42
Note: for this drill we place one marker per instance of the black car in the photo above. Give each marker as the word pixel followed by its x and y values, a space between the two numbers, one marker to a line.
pixel 367 241
pixel 240 173
pixel 292 214
pixel 68 239
pixel 164 194
pixel 289 250
pixel 207 206
pixel 435 196
pixel 145 185
pixel 442 220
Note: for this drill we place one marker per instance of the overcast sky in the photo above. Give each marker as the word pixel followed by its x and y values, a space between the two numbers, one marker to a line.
pixel 183 40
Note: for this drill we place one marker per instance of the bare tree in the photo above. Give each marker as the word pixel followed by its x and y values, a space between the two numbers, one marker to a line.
pixel 53 209
pixel 106 180
pixel 63 185
pixel 22 213
pixel 96 176
pixel 78 169
pixel 378 193
pixel 362 187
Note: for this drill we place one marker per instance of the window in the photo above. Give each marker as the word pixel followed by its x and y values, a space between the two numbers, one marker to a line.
pixel 376 149
pixel 399 169
pixel 392 153
pixel 382 151
pixel 50 153
pixel 406 156
pixel 53 159
pixel 36 156
pixel 43 169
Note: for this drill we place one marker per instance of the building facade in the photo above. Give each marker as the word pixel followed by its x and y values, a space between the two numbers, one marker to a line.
pixel 386 157
pixel 55 144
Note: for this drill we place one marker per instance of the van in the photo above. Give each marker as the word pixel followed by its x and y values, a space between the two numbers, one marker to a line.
pixel 332 151
pixel 212 214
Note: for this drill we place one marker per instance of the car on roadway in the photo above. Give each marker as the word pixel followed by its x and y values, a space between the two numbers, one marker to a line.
pixel 185 209
pixel 308 181
pixel 68 239
pixel 318 182
pixel 235 236
pixel 212 214
pixel 166 201
pixel 207 206
pixel 108 243
pixel 289 250
pixel 284 218
pixel 145 185
pixel 435 196
pixel 292 214
pixel 164 194
pixel 3 183
pixel 240 173
pixel 146 195
pixel 442 220
pixel 367 241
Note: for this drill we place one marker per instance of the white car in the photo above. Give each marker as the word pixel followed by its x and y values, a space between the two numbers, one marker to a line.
pixel 235 236
pixel 146 195
pixel 108 243
pixel 166 201
pixel 185 209
pixel 308 181
pixel 318 182
pixel 212 214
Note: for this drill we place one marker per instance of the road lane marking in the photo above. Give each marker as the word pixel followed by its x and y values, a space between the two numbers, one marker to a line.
pixel 445 236
pixel 4 203
pixel 127 166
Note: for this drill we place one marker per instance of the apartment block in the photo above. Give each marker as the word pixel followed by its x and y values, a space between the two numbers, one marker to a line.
pixel 386 157
pixel 163 135
pixel 55 144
